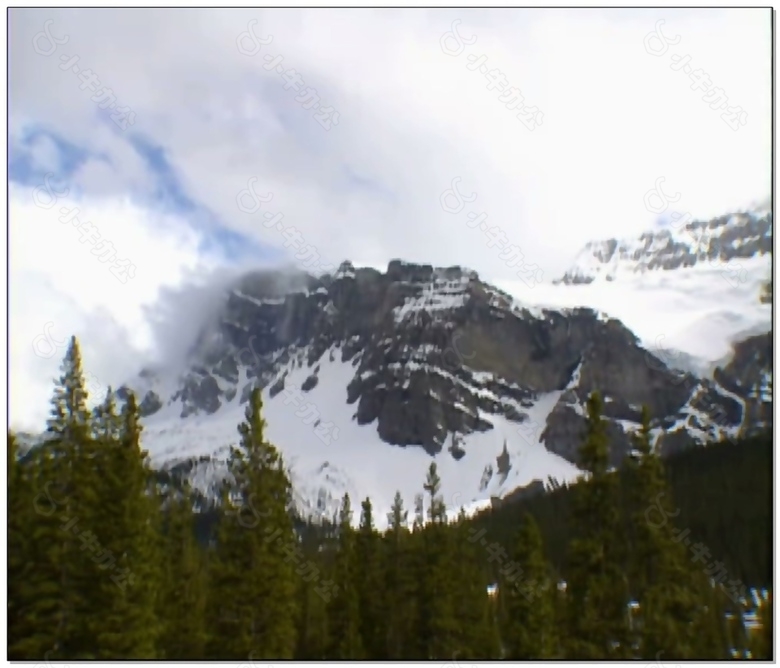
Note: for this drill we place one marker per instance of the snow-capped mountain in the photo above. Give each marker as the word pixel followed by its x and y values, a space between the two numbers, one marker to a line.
pixel 689 294
pixel 368 375
pixel 683 243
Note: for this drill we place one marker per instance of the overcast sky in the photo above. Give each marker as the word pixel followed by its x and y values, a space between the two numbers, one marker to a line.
pixel 211 117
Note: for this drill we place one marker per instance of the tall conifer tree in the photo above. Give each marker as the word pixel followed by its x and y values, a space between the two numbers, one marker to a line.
pixel 400 584
pixel 476 613
pixel 183 592
pixel 597 589
pixel 253 581
pixel 21 524
pixel 131 556
pixel 373 600
pixel 661 578
pixel 69 468
pixel 344 611
pixel 437 606
pixel 530 629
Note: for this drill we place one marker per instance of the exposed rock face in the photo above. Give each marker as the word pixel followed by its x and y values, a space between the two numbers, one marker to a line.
pixel 738 401
pixel 565 429
pixel 436 352
pixel 749 376
pixel 686 244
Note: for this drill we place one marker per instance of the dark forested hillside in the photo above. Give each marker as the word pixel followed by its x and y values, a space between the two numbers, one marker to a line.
pixel 108 559
pixel 723 492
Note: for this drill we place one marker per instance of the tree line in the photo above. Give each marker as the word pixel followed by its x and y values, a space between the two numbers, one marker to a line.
pixel 104 561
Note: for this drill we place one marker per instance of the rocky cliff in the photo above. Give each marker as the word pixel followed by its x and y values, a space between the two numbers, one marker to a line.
pixel 435 356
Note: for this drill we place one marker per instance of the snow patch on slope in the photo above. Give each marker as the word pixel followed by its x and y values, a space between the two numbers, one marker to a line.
pixel 357 461
pixel 438 295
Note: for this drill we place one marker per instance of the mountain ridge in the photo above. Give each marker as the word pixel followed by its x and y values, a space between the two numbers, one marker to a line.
pixel 715 243
pixel 368 375
pixel 416 363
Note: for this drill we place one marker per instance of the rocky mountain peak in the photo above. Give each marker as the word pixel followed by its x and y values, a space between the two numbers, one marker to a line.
pixel 682 243
pixel 424 359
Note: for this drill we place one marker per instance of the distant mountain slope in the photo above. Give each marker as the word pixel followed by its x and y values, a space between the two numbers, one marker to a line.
pixel 689 293
pixel 713 244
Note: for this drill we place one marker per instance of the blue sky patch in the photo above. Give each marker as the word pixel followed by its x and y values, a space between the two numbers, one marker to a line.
pixel 24 166
pixel 40 151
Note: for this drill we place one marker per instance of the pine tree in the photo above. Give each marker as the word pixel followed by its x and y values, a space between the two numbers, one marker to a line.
pixel 16 540
pixel 312 633
pixel 69 467
pixel 475 612
pixel 437 611
pixel 661 578
pixel 106 421
pixel 400 585
pixel 35 560
pixel 530 629
pixel 344 610
pixel 312 625
pixel 437 511
pixel 419 512
pixel 21 521
pixel 232 575
pixel 128 532
pixel 58 600
pixel 596 589
pixel 183 599
pixel 69 421
pixel 372 598
pixel 254 584
pixel 397 518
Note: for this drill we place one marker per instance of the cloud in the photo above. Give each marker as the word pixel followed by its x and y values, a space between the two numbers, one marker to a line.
pixel 207 118
pixel 56 279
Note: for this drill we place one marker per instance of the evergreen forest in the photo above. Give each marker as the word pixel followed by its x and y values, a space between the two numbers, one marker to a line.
pixel 109 559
